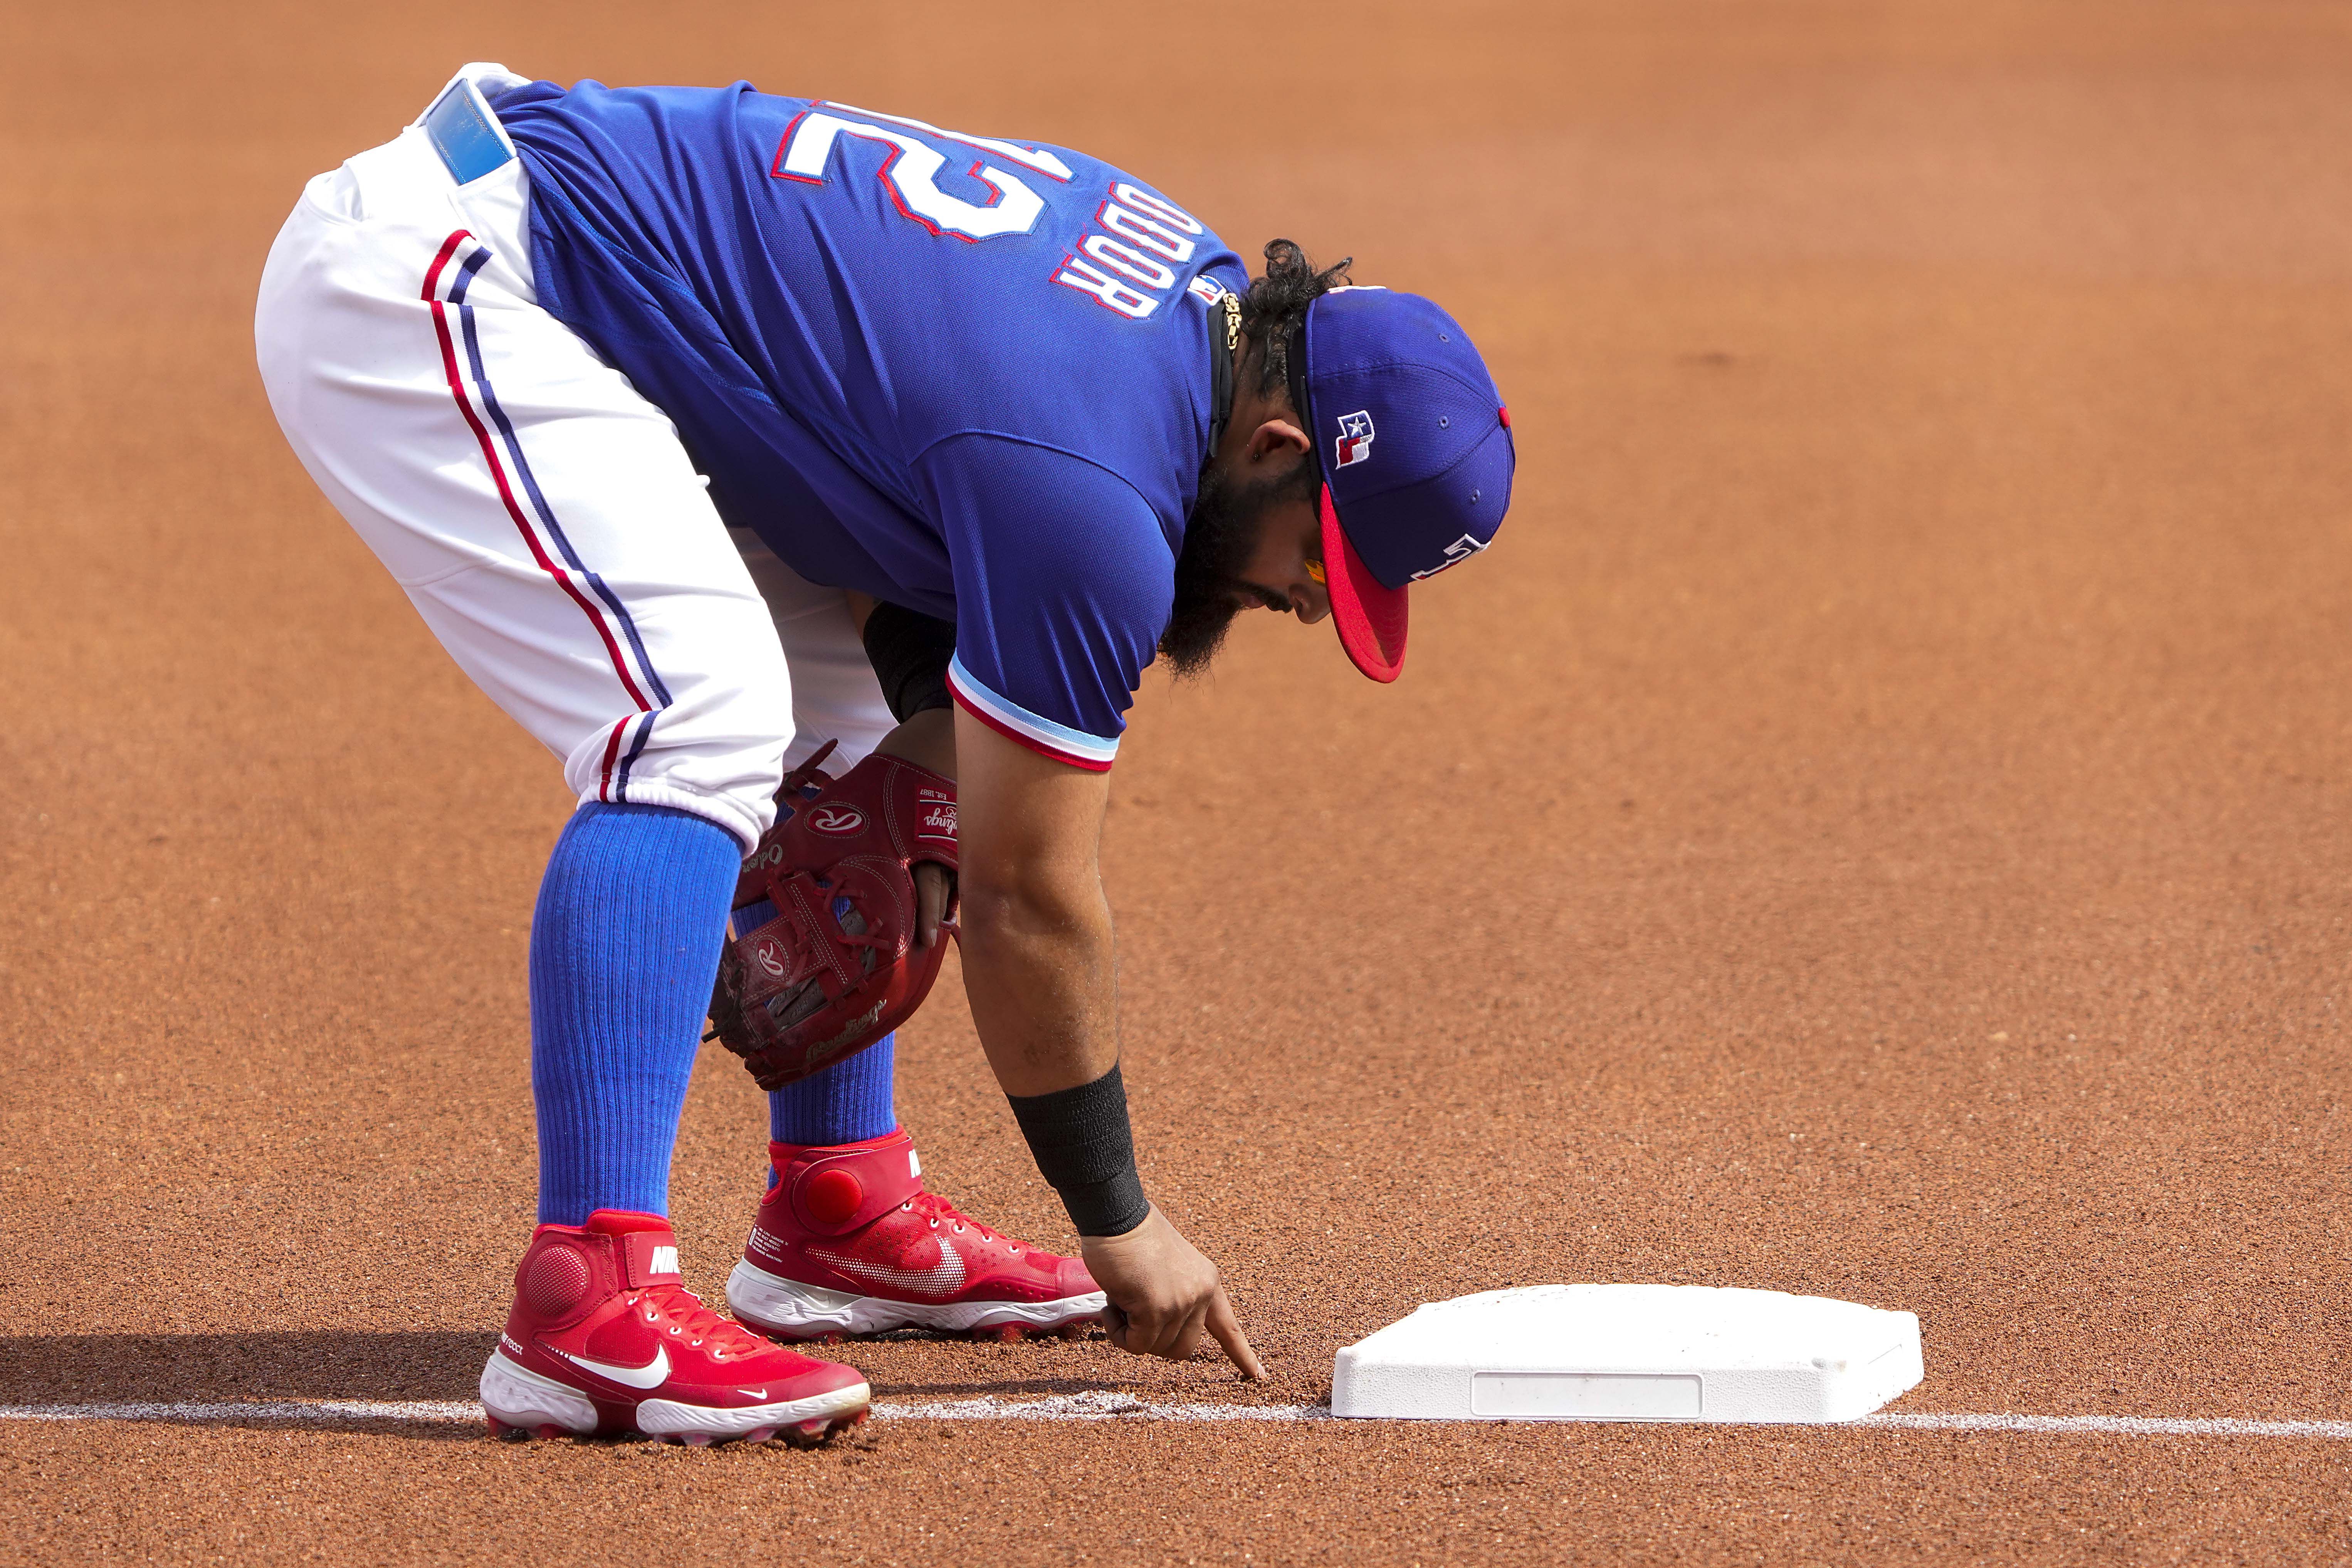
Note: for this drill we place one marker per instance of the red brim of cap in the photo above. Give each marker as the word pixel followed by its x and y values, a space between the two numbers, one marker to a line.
pixel 1370 617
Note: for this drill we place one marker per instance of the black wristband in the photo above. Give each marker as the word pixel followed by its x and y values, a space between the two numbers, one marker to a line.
pixel 1086 1151
pixel 909 653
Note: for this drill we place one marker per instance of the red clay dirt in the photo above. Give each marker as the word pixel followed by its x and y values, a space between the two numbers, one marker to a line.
pixel 1875 825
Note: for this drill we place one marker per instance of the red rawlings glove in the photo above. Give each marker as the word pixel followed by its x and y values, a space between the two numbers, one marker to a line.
pixel 821 959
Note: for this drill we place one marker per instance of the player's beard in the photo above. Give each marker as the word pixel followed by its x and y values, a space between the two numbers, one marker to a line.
pixel 1219 539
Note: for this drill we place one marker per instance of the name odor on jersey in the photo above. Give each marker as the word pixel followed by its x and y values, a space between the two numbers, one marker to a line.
pixel 1142 240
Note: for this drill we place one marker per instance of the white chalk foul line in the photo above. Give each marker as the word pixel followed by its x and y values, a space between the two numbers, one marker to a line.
pixel 1104 1406
pixel 312 1413
pixel 2122 1426
pixel 1090 1407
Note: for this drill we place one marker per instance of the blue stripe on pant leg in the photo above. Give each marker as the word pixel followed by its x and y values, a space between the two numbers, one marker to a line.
pixel 636 750
pixel 530 481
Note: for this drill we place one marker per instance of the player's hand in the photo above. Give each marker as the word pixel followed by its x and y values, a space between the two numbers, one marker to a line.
pixel 935 888
pixel 926 740
pixel 1163 1295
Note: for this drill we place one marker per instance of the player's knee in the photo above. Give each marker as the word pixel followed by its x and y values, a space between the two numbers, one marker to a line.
pixel 715 748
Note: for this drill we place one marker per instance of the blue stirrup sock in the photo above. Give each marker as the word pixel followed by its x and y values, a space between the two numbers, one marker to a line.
pixel 624 949
pixel 848 1102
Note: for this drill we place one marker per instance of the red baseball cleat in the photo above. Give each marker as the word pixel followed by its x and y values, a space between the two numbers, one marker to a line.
pixel 848 1243
pixel 605 1336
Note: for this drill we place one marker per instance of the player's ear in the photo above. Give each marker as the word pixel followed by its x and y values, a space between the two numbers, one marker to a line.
pixel 1275 439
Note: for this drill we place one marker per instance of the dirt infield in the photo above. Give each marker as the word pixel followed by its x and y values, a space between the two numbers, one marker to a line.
pixel 1876 826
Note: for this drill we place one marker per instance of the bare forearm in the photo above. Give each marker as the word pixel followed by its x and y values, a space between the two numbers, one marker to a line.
pixel 1041 971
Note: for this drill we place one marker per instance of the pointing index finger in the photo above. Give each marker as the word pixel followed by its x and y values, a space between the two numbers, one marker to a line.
pixel 1226 1330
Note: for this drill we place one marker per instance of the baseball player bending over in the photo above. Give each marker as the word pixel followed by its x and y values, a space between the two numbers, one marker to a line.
pixel 808 479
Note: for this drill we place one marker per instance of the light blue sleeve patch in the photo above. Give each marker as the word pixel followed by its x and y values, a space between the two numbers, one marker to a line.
pixel 465 136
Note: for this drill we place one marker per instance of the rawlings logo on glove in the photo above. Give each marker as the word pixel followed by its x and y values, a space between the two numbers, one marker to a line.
pixel 838 820
pixel 834 967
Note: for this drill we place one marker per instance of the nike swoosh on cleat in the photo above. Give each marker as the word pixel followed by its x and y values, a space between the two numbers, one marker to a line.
pixel 944 1278
pixel 653 1374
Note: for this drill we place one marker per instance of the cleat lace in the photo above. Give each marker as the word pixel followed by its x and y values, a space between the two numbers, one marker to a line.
pixel 688 1316
pixel 937 1210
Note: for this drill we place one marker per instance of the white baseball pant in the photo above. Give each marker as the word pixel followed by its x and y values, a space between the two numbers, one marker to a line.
pixel 540 513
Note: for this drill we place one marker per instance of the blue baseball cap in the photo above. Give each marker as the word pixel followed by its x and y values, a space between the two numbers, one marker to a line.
pixel 1416 449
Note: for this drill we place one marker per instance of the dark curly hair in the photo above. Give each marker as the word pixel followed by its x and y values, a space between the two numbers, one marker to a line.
pixel 1229 511
pixel 1277 304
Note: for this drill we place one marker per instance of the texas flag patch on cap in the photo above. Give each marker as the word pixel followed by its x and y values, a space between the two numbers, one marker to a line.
pixel 1355 442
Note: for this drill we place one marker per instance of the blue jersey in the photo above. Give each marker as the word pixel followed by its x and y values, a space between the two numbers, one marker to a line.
pixel 966 375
